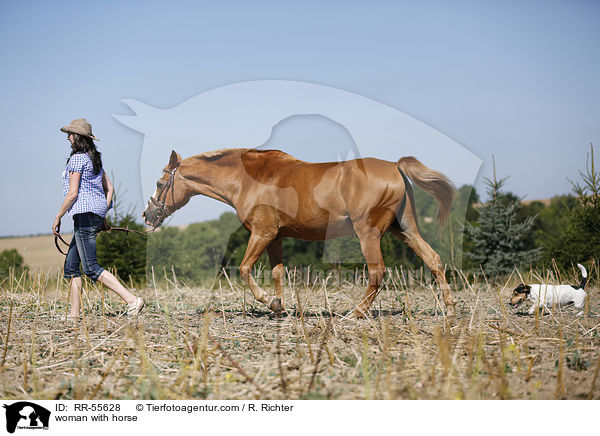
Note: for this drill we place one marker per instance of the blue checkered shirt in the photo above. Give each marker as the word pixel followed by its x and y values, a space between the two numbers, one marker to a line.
pixel 91 196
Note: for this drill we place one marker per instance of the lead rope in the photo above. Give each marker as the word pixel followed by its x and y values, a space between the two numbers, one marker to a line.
pixel 58 237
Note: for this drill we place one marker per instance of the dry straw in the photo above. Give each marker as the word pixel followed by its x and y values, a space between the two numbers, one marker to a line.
pixel 211 343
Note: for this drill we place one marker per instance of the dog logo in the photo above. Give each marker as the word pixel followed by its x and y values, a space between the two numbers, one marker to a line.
pixel 26 415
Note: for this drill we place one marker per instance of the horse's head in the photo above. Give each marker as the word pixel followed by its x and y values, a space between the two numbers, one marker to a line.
pixel 168 197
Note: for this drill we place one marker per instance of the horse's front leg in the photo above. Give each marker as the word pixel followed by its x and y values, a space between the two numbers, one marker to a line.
pixel 256 246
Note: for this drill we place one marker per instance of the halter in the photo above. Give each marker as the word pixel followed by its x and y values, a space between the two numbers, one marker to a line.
pixel 159 213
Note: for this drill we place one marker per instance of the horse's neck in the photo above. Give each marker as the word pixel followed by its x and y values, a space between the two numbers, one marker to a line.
pixel 218 179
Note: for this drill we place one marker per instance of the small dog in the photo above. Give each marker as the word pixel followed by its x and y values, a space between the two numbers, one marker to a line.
pixel 549 295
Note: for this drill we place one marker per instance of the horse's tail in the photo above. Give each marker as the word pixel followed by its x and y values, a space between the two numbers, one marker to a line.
pixel 431 181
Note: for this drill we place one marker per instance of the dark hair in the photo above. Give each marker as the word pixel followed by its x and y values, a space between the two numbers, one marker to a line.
pixel 83 144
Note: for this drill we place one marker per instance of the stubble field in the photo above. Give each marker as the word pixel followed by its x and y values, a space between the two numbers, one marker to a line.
pixel 219 344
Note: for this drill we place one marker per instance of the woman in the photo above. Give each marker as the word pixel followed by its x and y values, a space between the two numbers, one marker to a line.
pixel 88 196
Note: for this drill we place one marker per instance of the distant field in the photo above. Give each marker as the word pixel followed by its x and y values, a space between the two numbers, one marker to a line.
pixel 39 252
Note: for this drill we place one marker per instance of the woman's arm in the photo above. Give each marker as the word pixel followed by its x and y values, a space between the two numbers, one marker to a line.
pixel 70 198
pixel 108 189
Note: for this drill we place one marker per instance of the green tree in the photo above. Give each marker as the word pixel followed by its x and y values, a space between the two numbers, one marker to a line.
pixel 498 240
pixel 11 260
pixel 121 251
pixel 163 252
pixel 196 252
pixel 580 241
pixel 551 223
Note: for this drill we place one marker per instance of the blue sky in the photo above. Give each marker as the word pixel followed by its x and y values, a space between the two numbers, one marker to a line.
pixel 517 80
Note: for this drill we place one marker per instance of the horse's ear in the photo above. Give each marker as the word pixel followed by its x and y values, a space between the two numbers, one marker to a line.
pixel 174 160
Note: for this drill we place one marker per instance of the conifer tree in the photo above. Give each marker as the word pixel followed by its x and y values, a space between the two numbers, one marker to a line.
pixel 122 252
pixel 580 240
pixel 497 240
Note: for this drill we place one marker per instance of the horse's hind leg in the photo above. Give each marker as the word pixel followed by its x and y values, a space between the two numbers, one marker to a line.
pixel 370 245
pixel 275 251
pixel 422 249
pixel 256 246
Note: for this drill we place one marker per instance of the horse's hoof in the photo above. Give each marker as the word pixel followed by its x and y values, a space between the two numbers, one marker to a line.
pixel 275 305
pixel 358 314
pixel 451 313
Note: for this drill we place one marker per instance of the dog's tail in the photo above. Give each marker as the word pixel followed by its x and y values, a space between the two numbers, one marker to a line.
pixel 584 275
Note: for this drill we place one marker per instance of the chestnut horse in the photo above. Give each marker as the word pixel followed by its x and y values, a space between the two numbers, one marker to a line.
pixel 276 196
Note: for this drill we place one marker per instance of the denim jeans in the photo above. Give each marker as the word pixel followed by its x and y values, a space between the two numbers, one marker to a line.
pixel 82 250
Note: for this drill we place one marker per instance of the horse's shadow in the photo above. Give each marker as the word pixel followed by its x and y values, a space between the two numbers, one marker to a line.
pixel 257 313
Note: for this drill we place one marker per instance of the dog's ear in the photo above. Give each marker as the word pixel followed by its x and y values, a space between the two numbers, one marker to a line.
pixel 519 289
pixel 522 289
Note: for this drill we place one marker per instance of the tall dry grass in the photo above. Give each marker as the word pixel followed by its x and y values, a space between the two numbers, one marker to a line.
pixel 217 343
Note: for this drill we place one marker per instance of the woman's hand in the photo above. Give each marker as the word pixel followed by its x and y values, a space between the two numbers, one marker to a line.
pixel 56 226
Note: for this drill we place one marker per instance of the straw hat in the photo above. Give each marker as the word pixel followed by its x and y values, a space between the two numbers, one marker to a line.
pixel 81 127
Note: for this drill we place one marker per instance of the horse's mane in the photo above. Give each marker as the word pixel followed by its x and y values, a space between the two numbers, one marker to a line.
pixel 216 154
pixel 278 153
pixel 211 156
